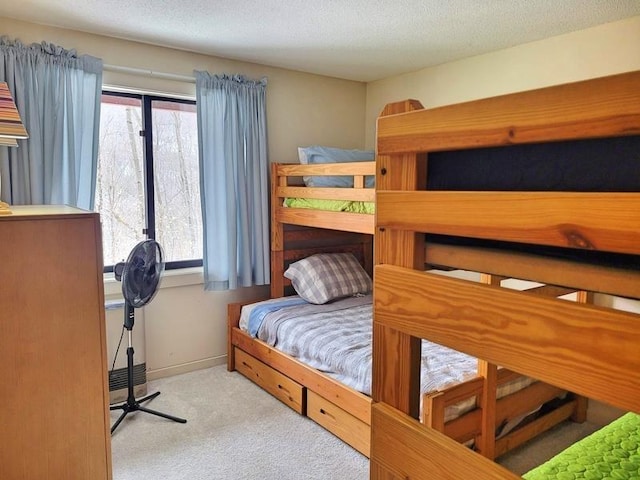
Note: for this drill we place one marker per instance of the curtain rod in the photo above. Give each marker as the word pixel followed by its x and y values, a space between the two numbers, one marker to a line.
pixel 149 73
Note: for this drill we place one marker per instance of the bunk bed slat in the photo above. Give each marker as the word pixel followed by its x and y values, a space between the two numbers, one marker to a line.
pixel 595 278
pixel 402 448
pixel 353 222
pixel 325 193
pixel 548 114
pixel 555 341
pixel 543 218
pixel 347 168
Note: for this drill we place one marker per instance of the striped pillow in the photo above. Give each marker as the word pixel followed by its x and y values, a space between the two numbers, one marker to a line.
pixel 324 277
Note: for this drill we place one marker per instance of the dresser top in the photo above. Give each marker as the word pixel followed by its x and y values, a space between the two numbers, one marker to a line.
pixel 43 210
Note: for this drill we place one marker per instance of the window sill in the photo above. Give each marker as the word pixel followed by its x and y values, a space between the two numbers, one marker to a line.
pixel 180 277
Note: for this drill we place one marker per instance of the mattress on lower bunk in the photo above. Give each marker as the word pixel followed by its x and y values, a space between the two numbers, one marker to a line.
pixel 611 452
pixel 335 338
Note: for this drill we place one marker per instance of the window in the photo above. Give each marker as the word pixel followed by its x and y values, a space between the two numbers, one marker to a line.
pixel 148 183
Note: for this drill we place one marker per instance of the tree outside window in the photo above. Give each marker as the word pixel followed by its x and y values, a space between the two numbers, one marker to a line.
pixel 148 184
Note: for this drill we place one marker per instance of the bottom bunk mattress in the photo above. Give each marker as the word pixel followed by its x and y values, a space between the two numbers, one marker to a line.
pixel 335 338
pixel 611 452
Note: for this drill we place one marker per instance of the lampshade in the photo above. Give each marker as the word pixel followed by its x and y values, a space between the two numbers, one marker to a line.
pixel 11 128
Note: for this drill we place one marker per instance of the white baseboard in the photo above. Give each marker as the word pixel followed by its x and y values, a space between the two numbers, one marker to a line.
pixel 186 367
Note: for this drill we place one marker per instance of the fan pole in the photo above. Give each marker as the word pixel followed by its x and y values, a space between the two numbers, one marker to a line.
pixel 132 405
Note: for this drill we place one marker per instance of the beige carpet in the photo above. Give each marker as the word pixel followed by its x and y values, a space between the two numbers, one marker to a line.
pixel 235 430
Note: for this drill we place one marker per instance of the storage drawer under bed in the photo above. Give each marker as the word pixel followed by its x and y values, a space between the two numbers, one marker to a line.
pixel 277 384
pixel 339 422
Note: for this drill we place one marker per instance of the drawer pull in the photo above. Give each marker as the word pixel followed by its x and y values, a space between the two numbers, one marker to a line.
pixel 324 412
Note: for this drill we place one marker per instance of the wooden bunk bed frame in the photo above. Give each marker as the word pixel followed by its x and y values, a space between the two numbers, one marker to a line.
pixel 587 349
pixel 343 411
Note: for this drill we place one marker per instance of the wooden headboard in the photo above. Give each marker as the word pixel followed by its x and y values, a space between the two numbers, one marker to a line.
pixel 588 349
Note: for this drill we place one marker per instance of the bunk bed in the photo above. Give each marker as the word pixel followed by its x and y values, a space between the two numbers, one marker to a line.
pixel 583 236
pixel 298 233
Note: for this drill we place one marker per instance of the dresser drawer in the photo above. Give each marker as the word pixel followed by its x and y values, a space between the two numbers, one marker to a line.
pixel 277 384
pixel 339 422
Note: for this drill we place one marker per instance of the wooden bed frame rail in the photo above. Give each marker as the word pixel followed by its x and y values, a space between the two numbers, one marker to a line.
pixel 583 348
pixel 299 232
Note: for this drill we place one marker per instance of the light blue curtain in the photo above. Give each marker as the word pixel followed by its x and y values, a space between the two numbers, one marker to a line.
pixel 234 169
pixel 58 95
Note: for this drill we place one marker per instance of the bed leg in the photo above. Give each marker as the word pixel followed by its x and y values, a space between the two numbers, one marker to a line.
pixel 433 411
pixel 233 318
pixel 486 444
pixel 579 414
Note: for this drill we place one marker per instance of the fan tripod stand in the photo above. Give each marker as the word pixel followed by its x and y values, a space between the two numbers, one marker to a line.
pixel 132 405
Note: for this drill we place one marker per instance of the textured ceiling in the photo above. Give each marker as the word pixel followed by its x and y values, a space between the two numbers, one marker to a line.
pixel 353 39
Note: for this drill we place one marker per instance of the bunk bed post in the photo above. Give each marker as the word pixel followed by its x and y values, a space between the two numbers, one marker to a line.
pixel 277 238
pixel 579 414
pixel 400 353
pixel 486 441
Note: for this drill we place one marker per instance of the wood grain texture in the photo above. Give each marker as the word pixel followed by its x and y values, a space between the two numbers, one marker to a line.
pixel 55 418
pixel 552 340
pixel 346 221
pixel 615 281
pixel 587 349
pixel 326 193
pixel 544 218
pixel 608 106
pixel 403 448
pixel 399 386
pixel 353 431
pixel 331 169
pixel 356 403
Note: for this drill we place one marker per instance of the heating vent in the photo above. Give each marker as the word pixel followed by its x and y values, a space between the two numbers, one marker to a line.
pixel 118 383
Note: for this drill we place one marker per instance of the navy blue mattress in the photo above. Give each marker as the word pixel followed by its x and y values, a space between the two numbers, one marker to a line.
pixel 595 165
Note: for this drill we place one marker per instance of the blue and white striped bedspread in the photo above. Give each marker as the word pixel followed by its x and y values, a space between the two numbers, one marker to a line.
pixel 335 338
pixel 259 311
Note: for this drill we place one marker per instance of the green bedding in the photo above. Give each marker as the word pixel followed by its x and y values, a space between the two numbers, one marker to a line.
pixel 331 205
pixel 613 452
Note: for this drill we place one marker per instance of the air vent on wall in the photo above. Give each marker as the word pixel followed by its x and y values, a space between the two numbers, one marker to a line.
pixel 118 383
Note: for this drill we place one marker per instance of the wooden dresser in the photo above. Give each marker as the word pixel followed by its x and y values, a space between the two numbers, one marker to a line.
pixel 54 420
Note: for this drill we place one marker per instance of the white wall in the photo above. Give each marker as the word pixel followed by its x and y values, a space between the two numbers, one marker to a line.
pixel 603 50
pixel 185 327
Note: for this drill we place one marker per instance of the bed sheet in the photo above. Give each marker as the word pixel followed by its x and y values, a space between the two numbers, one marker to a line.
pixel 335 338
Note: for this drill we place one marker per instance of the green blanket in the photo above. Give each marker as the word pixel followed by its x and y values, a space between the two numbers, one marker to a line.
pixel 613 452
pixel 331 205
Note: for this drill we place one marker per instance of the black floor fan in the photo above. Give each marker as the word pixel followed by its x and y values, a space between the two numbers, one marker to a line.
pixel 140 276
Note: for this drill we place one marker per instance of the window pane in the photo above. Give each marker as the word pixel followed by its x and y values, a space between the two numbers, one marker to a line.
pixel 178 219
pixel 120 181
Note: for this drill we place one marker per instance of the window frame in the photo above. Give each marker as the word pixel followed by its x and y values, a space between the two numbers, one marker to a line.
pixel 149 231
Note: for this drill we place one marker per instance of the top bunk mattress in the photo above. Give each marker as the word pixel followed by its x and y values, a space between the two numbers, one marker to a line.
pixel 331 205
pixel 593 165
